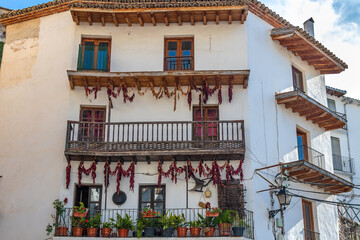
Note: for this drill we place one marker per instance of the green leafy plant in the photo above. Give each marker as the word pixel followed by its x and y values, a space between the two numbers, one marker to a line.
pixel 195 223
pixel 207 221
pixel 79 209
pixel 214 210
pixel 107 225
pixel 168 221
pixel 240 222
pixel 58 218
pixel 77 222
pixel 179 221
pixel 94 221
pixel 123 222
pixel 149 212
pixel 225 216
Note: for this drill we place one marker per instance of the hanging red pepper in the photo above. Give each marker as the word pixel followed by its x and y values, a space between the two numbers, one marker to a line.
pixel 201 169
pixel 131 174
pixel 68 173
pixel 80 168
pixel 160 173
pixel 230 91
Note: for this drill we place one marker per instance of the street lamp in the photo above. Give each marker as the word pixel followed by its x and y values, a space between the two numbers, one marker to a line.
pixel 284 199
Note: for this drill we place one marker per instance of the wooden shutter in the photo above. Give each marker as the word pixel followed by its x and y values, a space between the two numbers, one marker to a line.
pixel 232 196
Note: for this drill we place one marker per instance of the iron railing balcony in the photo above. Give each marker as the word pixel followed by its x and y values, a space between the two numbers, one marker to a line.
pixel 343 164
pixel 190 214
pixel 308 154
pixel 311 235
pixel 94 57
pixel 155 138
pixel 179 63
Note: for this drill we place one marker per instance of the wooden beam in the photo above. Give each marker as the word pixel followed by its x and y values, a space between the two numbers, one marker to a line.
pixel 141 21
pixel 289 99
pixel 153 20
pixel 204 18
pixel 309 175
pixel 166 19
pixel 230 17
pixel 299 172
pixel 217 17
pixel 192 19
pixel 102 20
pixel 89 19
pixel 289 42
pixel 304 53
pixel 126 16
pixel 246 80
pixel 179 19
pixel 314 178
pixel 116 22
pixel 298 47
pixel 75 17
pixel 302 107
pixel 326 67
pixel 72 84
pixel 278 37
pixel 243 16
pixel 328 124
pixel 312 110
pixel 320 120
pixel 312 58
pixel 316 115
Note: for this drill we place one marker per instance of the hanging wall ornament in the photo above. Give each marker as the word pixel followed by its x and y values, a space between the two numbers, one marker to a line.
pixel 68 174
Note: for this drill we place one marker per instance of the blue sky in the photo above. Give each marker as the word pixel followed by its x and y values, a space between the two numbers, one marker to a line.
pixel 337 26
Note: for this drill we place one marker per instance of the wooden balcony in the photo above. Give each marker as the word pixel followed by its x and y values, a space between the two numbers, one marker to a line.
pixel 147 141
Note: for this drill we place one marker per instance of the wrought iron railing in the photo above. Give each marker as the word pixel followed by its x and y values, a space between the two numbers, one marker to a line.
pixel 349 212
pixel 311 235
pixel 343 164
pixel 308 154
pixel 296 88
pixel 93 57
pixel 179 63
pixel 190 214
pixel 154 136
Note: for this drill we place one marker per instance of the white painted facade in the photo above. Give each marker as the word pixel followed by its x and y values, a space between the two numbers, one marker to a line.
pixel 36 102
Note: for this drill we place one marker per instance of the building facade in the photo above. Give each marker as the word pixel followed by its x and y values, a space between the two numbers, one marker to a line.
pixel 146 92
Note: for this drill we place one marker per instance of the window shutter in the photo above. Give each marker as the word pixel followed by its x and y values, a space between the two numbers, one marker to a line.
pixel 232 196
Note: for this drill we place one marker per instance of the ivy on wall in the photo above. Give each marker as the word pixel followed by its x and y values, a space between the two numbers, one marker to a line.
pixel 1 50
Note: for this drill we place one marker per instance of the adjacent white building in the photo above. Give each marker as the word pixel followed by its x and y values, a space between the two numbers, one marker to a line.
pixel 272 114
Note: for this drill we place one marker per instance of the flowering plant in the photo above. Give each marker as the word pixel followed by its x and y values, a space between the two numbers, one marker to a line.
pixel 94 221
pixel 58 218
pixel 77 222
pixel 214 210
pixel 80 209
pixel 148 212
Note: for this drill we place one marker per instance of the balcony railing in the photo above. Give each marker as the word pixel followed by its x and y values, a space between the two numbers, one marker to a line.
pixel 93 57
pixel 190 214
pixel 311 235
pixel 155 136
pixel 179 63
pixel 343 115
pixel 343 164
pixel 308 154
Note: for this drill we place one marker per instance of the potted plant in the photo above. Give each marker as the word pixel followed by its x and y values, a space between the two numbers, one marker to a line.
pixel 92 225
pixel 181 225
pixel 77 224
pixel 239 225
pixel 148 225
pixel 58 219
pixel 208 224
pixel 80 211
pixel 106 229
pixel 225 219
pixel 168 224
pixel 123 225
pixel 195 228
pixel 212 212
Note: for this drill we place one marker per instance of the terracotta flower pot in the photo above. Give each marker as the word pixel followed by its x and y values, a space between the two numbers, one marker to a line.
pixel 91 232
pixel 225 229
pixel 181 231
pixel 61 231
pixel 195 231
pixel 79 214
pixel 77 232
pixel 209 231
pixel 106 232
pixel 123 232
pixel 211 214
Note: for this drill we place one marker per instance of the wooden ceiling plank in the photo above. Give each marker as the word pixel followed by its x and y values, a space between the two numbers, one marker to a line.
pixel 279 37
pixel 298 172
pixel 312 110
pixel 285 100
pixel 312 58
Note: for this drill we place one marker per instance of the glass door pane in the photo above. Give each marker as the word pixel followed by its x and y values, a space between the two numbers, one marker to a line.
pixel 102 58
pixel 172 49
pixel 186 63
pixel 89 48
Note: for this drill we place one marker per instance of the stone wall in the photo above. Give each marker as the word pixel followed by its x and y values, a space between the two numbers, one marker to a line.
pixel 348 230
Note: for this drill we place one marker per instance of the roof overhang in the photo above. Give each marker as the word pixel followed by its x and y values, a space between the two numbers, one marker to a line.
pixel 311 174
pixel 158 78
pixel 170 13
pixel 305 46
pixel 335 91
pixel 314 111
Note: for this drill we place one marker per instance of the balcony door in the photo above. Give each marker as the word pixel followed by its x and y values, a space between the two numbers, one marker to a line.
pixel 179 54
pixel 302 145
pixel 92 127
pixel 336 153
pixel 210 128
pixel 91 197
pixel 94 54
pixel 153 197
pixel 298 81
pixel 308 220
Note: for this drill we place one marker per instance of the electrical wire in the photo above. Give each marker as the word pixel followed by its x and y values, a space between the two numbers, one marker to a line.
pixel 325 201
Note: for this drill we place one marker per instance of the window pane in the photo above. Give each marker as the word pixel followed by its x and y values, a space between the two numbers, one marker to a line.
pixel 158 207
pixel 158 194
pixel 94 208
pixel 172 46
pixel 211 114
pixel 102 60
pixel 145 205
pixel 146 194
pixel 186 45
pixel 86 115
pixel 88 55
pixel 95 194
pixel 331 104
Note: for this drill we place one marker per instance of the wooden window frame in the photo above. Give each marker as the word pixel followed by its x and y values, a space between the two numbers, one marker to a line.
pixel 178 51
pixel 302 85
pixel 328 105
pixel 152 203
pixel 89 200
pixel 93 108
pixel 305 143
pixel 96 43
pixel 195 107
pixel 306 202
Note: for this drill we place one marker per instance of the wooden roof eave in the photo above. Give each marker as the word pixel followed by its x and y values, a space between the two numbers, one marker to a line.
pixel 224 77
pixel 321 179
pixel 308 107
pixel 315 56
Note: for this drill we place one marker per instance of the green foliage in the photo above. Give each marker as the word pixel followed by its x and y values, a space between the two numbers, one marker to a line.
pixel 107 225
pixel 80 209
pixel 195 223
pixel 94 221
pixel 168 221
pixel 58 218
pixel 207 221
pixel 179 221
pixel 240 222
pixel 123 222
pixel 225 216
pixel 77 222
